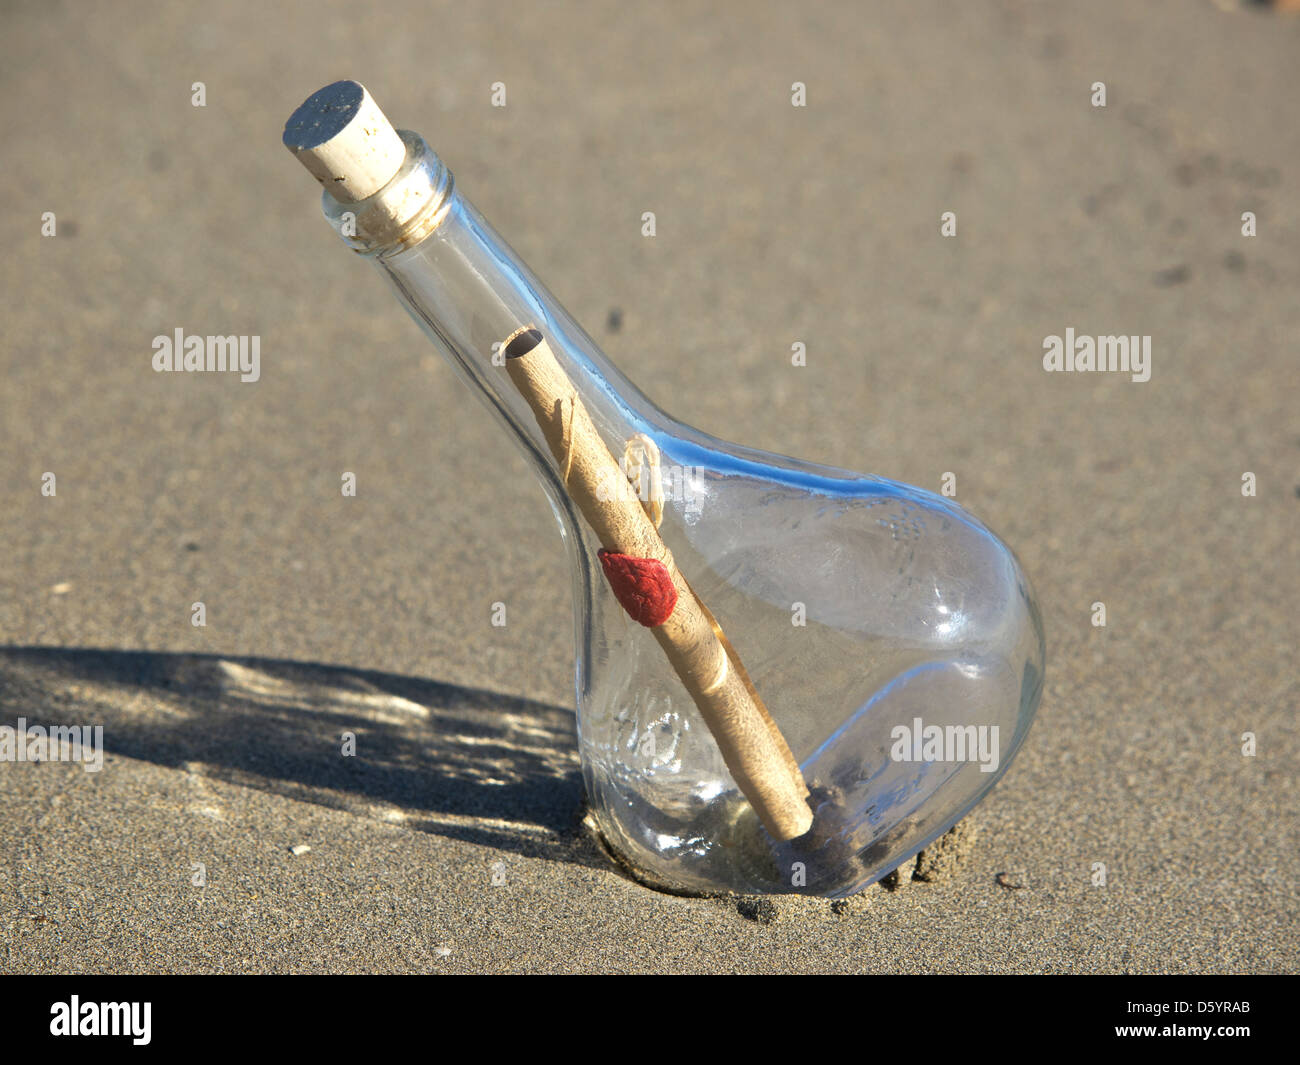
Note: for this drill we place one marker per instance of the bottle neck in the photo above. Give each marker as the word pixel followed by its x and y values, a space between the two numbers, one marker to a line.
pixel 469 292
pixel 401 213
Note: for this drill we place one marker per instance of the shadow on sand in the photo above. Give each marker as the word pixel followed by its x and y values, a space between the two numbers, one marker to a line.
pixel 461 762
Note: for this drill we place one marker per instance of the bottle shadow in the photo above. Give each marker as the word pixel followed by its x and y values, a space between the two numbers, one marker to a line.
pixel 464 763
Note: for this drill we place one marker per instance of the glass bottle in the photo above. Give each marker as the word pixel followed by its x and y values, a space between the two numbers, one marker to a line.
pixel 893 639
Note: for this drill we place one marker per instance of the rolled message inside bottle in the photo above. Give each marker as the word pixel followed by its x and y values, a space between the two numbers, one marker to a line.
pixel 753 748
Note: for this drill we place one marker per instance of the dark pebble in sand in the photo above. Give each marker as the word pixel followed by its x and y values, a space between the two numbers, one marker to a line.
pixel 759 909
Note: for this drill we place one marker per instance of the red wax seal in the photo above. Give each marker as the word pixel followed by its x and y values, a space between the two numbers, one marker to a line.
pixel 643 587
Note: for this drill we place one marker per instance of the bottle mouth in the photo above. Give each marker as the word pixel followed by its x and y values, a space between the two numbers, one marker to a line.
pixel 401 213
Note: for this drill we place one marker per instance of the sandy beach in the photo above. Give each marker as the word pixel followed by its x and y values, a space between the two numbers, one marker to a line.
pixel 224 834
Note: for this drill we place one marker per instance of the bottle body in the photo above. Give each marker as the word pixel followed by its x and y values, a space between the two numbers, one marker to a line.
pixel 893 638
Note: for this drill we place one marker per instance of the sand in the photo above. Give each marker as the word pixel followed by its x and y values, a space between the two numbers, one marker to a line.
pixel 453 842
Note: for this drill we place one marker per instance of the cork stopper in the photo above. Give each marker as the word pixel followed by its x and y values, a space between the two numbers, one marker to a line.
pixel 345 142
